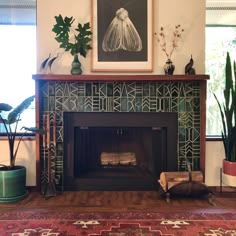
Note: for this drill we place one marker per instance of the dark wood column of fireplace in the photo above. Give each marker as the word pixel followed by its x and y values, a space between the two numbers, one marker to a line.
pixel 42 106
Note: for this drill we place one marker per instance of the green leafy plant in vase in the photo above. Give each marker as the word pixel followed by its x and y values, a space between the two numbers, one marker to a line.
pixel 75 40
pixel 12 176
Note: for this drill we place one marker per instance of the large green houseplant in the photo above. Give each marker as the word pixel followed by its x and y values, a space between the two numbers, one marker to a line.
pixel 12 176
pixel 75 40
pixel 228 115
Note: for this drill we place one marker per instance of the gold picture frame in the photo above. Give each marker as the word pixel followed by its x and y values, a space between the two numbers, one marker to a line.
pixel 122 38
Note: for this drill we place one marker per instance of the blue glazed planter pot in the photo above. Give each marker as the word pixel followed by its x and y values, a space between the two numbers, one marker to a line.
pixel 13 184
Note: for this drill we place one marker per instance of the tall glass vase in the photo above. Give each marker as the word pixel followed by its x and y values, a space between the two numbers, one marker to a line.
pixel 76 66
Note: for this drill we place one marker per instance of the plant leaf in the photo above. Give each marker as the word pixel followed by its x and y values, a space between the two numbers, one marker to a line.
pixel 228 112
pixel 62 29
pixel 82 40
pixel 5 107
pixel 13 116
pixel 34 130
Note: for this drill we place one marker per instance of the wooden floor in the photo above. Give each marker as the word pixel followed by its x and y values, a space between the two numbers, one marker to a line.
pixel 122 201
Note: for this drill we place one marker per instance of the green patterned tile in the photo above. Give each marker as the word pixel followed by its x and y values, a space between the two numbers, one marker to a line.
pixel 152 96
pixel 88 89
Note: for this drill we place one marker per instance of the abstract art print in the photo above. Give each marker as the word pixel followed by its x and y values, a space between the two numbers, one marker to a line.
pixel 122 35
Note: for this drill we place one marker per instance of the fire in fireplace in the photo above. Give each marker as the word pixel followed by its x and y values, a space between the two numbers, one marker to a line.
pixel 118 151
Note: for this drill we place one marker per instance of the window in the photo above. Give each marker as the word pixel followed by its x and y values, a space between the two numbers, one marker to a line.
pixel 18 55
pixel 220 38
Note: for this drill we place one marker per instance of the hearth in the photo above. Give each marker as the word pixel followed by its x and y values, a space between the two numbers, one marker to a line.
pixel 118 150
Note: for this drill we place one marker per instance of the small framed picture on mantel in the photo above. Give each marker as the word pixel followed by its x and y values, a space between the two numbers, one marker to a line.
pixel 122 37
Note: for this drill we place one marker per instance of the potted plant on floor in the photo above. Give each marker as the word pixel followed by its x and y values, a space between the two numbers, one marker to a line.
pixel 228 116
pixel 12 176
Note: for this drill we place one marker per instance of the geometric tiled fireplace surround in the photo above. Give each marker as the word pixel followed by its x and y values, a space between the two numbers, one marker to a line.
pixel 183 94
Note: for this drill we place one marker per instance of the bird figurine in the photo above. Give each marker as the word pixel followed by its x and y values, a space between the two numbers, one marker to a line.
pixel 47 63
pixel 189 70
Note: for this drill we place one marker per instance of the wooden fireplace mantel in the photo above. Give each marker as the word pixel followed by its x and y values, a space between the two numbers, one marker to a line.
pixel 118 77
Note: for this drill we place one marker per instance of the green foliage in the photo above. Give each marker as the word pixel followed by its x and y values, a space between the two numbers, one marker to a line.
pixel 82 35
pixel 228 111
pixel 13 117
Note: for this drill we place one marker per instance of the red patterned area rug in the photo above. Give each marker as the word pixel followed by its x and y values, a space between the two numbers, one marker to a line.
pixel 30 223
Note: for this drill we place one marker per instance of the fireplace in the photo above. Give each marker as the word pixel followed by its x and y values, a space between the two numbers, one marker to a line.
pixel 57 95
pixel 118 151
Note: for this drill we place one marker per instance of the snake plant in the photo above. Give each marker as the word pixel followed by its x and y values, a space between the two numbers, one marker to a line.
pixel 228 111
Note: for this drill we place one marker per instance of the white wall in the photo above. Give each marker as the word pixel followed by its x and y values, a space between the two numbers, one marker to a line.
pixel 26 157
pixel 189 13
pixel 213 163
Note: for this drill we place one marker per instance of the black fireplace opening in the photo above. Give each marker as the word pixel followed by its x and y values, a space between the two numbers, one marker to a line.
pixel 118 151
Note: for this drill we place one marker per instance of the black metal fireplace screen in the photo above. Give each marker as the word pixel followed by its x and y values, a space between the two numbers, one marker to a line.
pixel 118 151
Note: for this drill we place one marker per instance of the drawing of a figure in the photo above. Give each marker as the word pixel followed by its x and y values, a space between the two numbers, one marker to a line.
pixel 121 34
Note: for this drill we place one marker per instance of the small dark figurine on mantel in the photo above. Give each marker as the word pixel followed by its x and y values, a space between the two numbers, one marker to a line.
pixel 189 70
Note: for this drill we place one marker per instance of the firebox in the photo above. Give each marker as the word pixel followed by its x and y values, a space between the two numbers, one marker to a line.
pixel 118 151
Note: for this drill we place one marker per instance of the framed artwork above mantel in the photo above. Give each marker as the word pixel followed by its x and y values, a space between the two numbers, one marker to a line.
pixel 122 37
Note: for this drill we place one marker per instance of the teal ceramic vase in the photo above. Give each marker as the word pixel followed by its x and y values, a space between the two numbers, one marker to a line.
pixel 76 66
